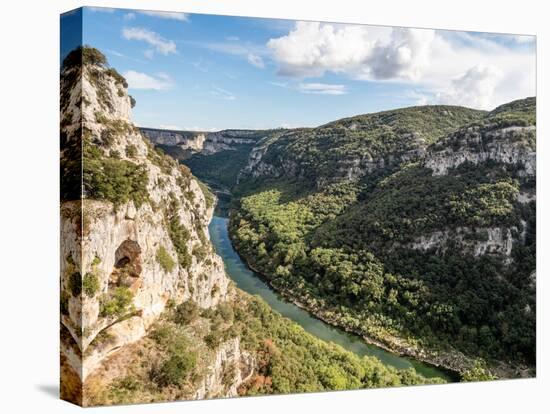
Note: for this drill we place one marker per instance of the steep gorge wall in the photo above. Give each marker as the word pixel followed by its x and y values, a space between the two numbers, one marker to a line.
pixel 122 262
pixel 475 145
pixel 507 142
pixel 201 142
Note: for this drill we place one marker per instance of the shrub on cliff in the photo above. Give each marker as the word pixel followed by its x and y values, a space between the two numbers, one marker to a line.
pixel 200 252
pixel 186 312
pixel 164 259
pixel 214 338
pixel 116 303
pixel 208 196
pixel 64 303
pixel 175 369
pixel 478 372
pixel 84 54
pixel 90 284
pixel 119 79
pixel 131 150
pixel 116 180
pixel 180 236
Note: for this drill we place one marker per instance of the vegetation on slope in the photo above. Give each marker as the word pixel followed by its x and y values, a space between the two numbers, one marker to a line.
pixel 172 360
pixel 321 154
pixel 113 179
pixel 88 168
pixel 221 167
pixel 344 249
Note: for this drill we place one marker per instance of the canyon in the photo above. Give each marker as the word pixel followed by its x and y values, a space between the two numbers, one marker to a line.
pixel 148 311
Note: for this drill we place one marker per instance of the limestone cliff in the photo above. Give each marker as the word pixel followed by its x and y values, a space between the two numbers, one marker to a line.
pixel 228 354
pixel 185 139
pixel 505 138
pixel 201 142
pixel 353 148
pixel 136 239
pixel 475 145
pixel 346 151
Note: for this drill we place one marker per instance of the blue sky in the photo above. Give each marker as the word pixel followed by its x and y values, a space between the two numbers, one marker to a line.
pixel 191 71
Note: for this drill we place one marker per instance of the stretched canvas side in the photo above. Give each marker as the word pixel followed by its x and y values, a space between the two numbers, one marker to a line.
pixel 71 207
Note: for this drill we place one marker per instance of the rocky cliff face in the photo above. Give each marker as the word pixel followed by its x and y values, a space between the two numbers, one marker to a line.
pixel 474 242
pixel 351 149
pixel 184 139
pixel 229 354
pixel 473 145
pixel 503 137
pixel 227 140
pixel 254 166
pixel 201 142
pixel 476 145
pixel 123 260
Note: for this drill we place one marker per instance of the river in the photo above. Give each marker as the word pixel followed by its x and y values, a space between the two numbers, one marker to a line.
pixel 250 282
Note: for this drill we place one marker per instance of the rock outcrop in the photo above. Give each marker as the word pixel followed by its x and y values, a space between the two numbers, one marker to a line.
pixel 351 149
pixel 474 242
pixel 184 139
pixel 123 261
pixel 476 145
pixel 202 142
pixel 230 361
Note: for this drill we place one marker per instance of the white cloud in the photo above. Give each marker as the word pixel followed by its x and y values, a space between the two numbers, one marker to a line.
pixel 475 88
pixel 139 80
pixel 129 16
pixel 439 63
pixel 253 54
pixel 370 53
pixel 322 88
pixel 419 97
pixel 279 84
pixel 222 93
pixel 115 53
pixel 422 100
pixel 255 60
pixel 160 44
pixel 311 49
pixel 183 17
pixel 404 57
pixel 315 88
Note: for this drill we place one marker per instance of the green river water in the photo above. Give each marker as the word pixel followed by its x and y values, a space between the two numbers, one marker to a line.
pixel 250 282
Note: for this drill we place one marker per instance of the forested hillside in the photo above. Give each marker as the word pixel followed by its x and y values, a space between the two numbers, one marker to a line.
pixel 413 227
pixel 351 148
pixel 278 357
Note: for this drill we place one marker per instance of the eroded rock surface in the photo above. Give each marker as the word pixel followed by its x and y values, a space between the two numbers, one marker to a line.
pixel 123 261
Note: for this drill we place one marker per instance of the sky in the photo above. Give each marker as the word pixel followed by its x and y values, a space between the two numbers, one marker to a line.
pixel 208 72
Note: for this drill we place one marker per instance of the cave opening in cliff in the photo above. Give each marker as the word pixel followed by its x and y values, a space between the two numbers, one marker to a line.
pixel 127 263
